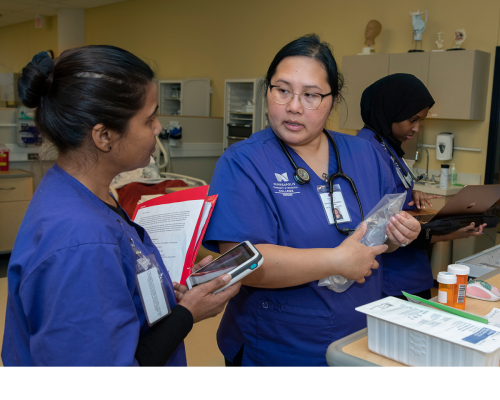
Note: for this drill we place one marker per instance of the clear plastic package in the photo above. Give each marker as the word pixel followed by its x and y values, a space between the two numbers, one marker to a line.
pixel 376 221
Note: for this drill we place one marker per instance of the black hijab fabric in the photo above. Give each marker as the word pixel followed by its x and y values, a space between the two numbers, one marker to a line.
pixel 394 98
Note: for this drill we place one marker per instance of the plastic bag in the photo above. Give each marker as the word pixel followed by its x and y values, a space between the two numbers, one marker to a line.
pixel 376 221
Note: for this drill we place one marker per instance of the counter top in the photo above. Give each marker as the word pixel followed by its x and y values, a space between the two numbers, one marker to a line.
pixel 450 191
pixel 15 173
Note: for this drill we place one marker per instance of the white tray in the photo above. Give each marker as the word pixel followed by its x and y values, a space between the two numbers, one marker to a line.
pixel 418 336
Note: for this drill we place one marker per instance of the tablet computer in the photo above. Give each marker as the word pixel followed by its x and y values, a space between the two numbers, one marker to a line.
pixel 238 262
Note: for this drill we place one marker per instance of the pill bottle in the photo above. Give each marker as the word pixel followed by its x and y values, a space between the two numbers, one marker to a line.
pixel 462 273
pixel 445 176
pixel 447 282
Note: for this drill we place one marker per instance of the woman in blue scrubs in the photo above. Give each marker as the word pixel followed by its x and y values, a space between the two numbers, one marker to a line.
pixel 72 293
pixel 281 316
pixel 392 108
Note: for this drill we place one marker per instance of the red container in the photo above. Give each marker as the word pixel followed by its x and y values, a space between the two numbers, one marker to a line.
pixel 4 159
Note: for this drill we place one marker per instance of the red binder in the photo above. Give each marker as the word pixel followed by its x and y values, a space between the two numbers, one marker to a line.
pixel 175 220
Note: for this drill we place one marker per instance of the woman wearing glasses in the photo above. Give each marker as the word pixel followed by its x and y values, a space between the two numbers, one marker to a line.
pixel 392 109
pixel 268 194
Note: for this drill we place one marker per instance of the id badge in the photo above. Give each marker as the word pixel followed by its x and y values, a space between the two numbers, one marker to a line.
pixel 340 207
pixel 151 290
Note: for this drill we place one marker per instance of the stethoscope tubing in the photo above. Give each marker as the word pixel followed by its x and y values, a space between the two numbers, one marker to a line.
pixel 339 174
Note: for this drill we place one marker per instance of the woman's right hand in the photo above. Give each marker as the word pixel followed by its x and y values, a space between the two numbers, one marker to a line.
pixel 357 260
pixel 203 303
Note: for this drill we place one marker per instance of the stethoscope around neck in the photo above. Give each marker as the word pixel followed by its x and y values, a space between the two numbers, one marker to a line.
pixel 405 174
pixel 301 176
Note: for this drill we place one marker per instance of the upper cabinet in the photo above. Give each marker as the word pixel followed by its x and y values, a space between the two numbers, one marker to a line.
pixel 457 80
pixel 359 73
pixel 188 97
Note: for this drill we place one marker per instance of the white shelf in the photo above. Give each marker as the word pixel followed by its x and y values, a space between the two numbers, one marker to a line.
pixel 237 95
pixel 187 97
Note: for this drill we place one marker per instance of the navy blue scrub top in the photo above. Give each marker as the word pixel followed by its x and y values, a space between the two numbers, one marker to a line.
pixel 407 268
pixel 259 201
pixel 72 295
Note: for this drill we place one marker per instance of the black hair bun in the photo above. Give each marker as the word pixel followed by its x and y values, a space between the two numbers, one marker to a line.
pixel 36 79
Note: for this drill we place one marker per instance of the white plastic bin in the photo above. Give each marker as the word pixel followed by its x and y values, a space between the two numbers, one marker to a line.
pixel 417 335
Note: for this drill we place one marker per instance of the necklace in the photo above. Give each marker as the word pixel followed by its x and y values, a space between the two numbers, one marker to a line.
pixel 325 176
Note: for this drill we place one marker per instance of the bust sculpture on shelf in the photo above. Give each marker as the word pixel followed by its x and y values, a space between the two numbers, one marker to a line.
pixel 459 39
pixel 372 30
pixel 418 28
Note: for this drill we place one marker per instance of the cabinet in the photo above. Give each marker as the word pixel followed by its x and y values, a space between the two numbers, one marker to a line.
pixel 16 189
pixel 189 97
pixel 243 109
pixel 457 80
pixel 359 73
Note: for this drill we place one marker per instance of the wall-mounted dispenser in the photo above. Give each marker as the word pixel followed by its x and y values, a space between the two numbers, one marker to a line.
pixel 444 146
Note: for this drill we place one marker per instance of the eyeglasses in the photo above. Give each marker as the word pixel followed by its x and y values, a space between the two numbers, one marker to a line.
pixel 309 100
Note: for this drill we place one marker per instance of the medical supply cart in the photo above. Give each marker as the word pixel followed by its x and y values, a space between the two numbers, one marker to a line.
pixel 352 350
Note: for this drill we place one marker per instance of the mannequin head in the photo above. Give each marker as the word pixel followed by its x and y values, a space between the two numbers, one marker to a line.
pixel 373 29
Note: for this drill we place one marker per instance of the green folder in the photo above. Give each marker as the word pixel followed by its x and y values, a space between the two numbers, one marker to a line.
pixel 450 310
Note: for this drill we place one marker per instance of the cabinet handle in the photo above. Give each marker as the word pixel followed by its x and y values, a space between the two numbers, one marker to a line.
pixel 7 188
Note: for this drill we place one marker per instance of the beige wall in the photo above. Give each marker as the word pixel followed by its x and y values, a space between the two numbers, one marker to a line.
pixel 223 39
pixel 20 42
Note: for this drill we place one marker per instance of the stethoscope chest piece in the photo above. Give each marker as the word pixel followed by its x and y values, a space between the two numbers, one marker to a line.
pixel 301 176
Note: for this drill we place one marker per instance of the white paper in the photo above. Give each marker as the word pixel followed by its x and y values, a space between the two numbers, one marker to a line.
pixel 204 217
pixel 154 302
pixel 437 323
pixel 171 228
pixel 493 317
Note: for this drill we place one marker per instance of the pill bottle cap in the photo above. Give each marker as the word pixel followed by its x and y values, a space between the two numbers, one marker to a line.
pixel 447 277
pixel 458 269
pixel 445 166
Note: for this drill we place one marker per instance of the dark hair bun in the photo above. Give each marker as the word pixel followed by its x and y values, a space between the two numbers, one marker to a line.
pixel 36 79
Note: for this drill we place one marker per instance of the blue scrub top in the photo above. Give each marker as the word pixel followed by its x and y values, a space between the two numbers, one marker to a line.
pixel 259 201
pixel 72 295
pixel 407 268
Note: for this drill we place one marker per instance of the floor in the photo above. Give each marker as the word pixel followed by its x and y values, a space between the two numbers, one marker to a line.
pixel 201 346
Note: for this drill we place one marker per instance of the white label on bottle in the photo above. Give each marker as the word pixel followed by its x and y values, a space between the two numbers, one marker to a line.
pixel 442 297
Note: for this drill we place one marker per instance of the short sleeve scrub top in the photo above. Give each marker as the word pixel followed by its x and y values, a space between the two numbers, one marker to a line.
pixel 259 201
pixel 72 293
pixel 407 268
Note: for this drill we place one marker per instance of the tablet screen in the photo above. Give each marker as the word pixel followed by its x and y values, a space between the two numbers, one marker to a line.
pixel 224 264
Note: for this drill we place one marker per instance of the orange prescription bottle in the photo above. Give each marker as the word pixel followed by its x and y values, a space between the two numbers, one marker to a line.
pixel 462 273
pixel 447 282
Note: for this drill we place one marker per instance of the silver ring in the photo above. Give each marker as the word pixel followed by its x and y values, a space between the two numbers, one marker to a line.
pixel 405 244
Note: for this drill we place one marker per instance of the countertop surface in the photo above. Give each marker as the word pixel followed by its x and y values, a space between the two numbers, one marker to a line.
pixel 450 191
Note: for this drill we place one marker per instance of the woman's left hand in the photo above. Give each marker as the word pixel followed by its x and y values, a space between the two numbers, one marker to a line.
pixel 402 229
pixel 181 289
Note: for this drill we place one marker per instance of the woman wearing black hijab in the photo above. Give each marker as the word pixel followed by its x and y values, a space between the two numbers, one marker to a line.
pixel 392 109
